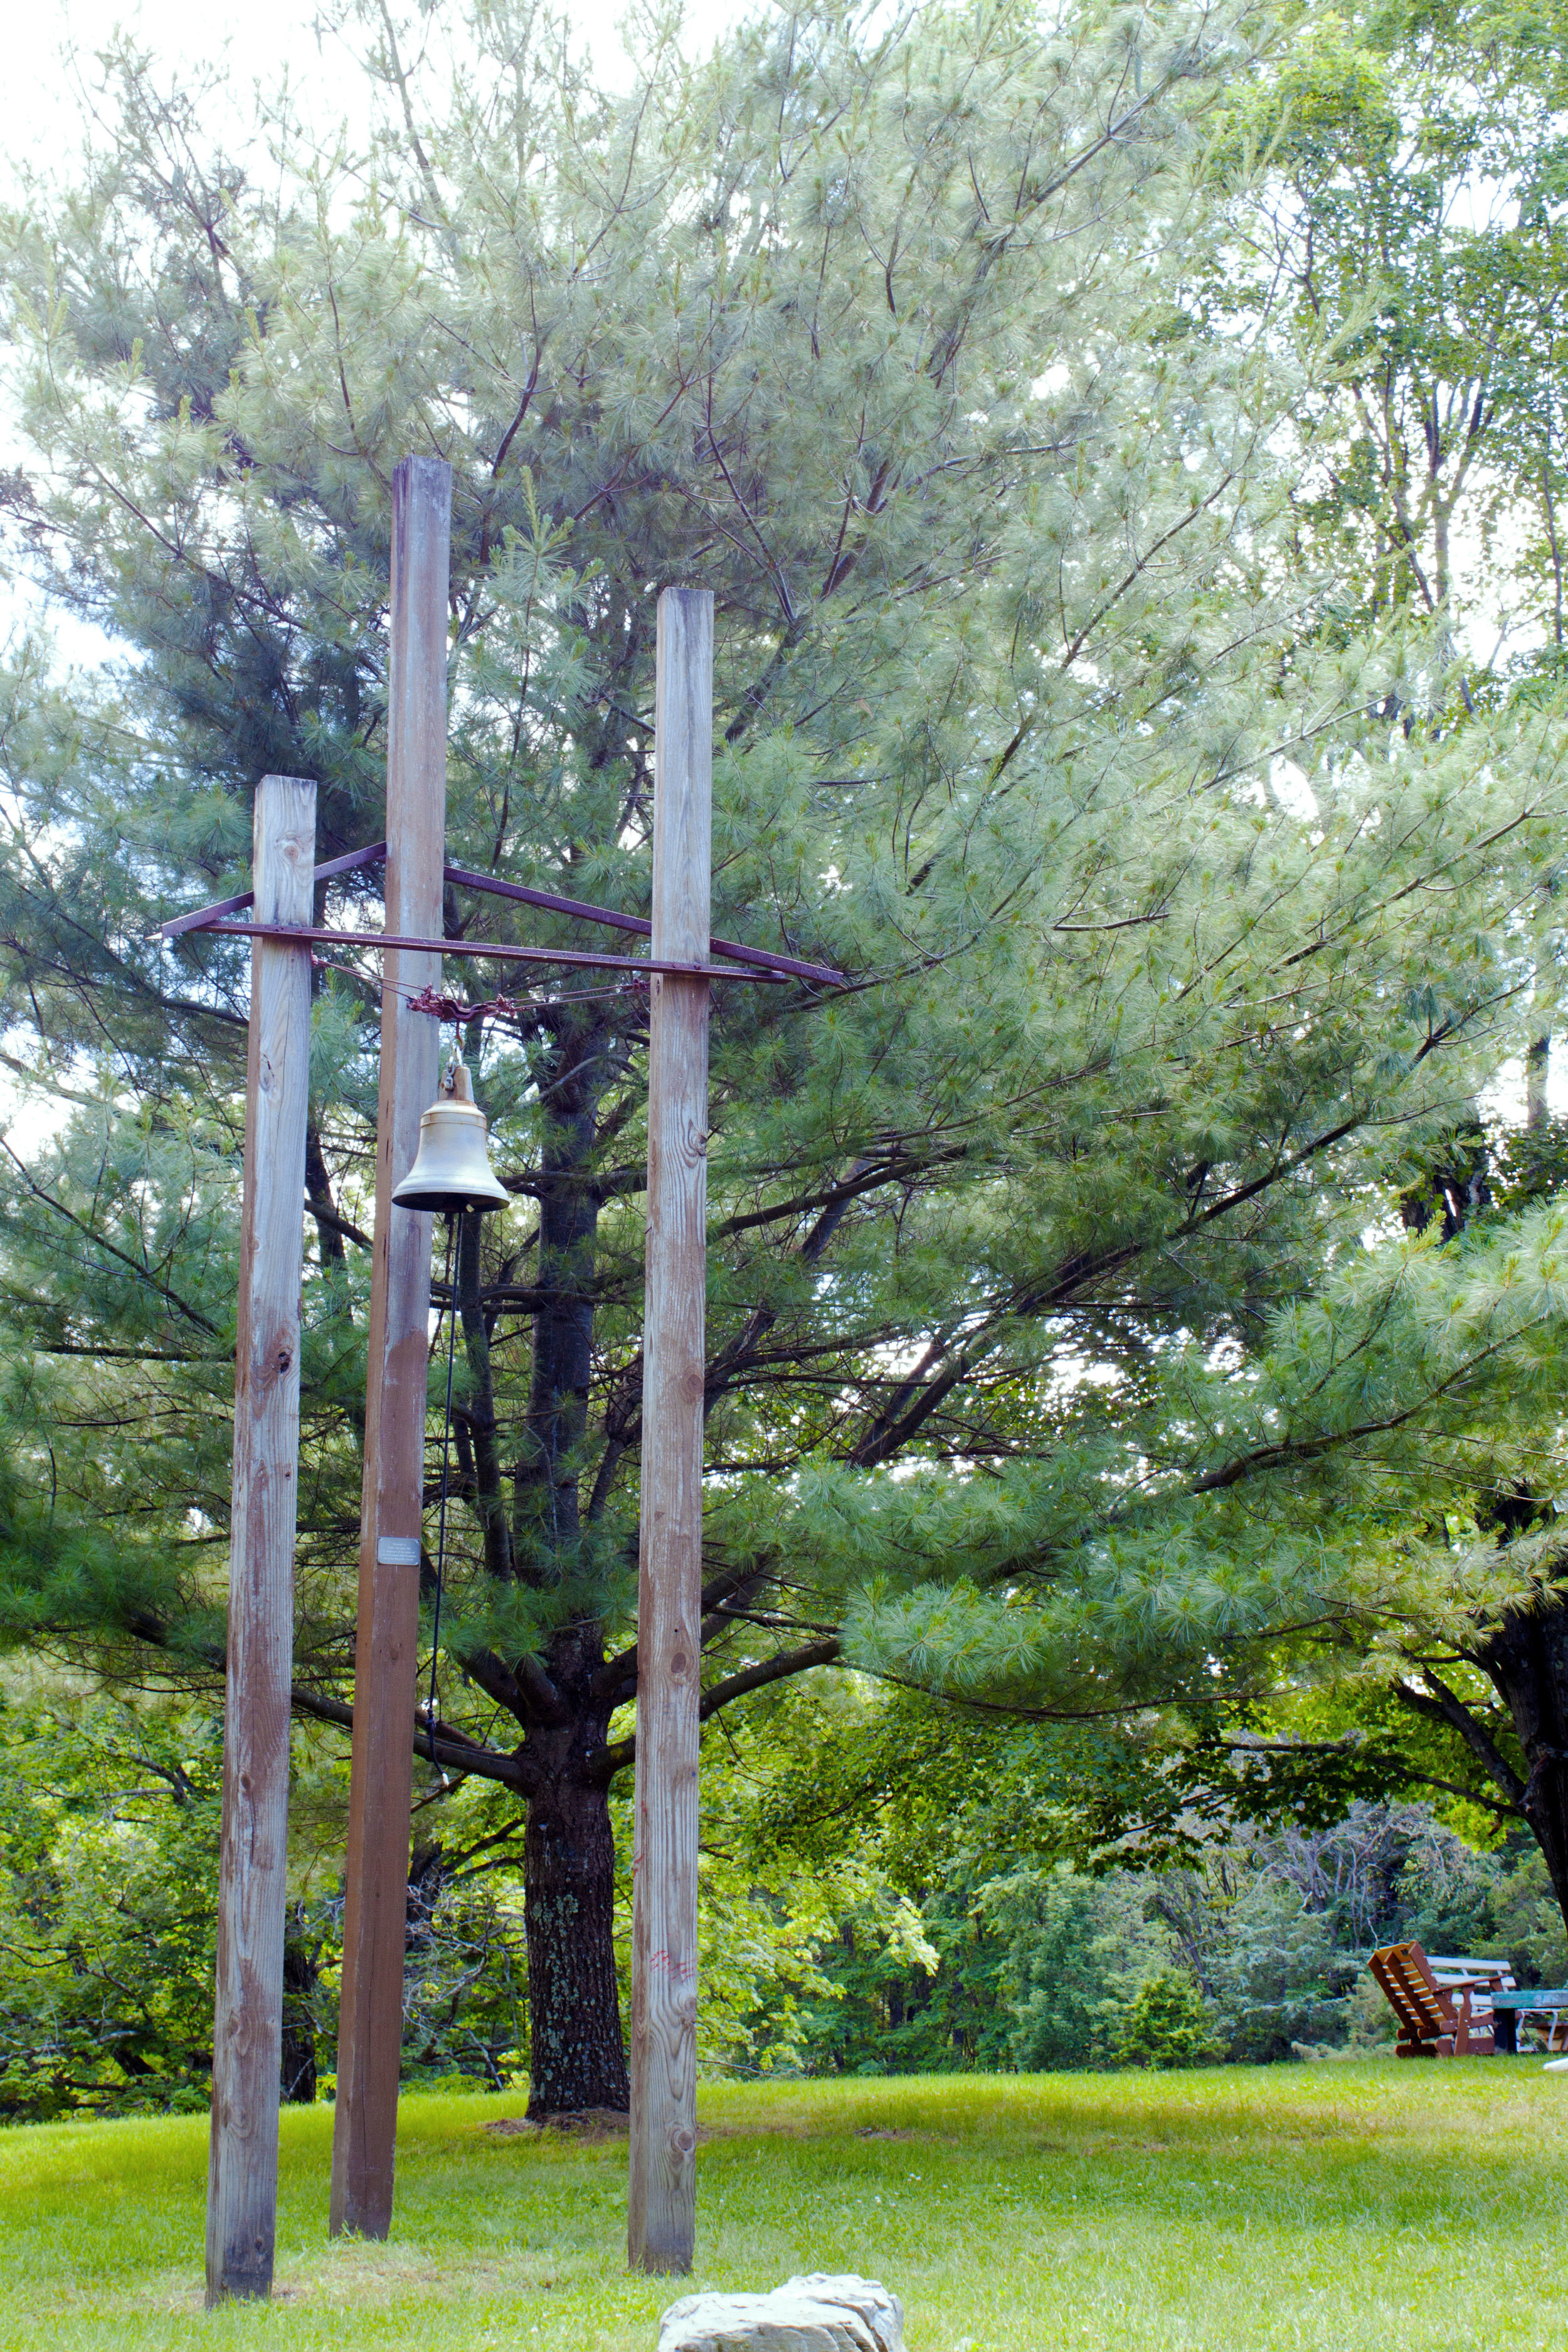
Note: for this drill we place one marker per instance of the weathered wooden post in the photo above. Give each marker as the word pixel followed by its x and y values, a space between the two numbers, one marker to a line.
pixel 663 2186
pixel 242 2171
pixel 370 2030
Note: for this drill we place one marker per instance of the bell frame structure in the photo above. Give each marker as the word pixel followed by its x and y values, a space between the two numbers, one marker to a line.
pixel 682 963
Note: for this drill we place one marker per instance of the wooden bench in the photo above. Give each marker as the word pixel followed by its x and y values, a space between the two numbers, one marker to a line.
pixel 1442 2014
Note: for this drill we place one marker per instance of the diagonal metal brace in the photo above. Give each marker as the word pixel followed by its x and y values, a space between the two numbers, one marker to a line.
pixel 497 953
pixel 763 959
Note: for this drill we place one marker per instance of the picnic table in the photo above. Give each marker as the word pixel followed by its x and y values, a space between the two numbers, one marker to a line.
pixel 1544 2004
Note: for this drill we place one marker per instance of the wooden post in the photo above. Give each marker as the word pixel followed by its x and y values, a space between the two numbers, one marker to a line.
pixel 370 2027
pixel 247 2026
pixel 663 2187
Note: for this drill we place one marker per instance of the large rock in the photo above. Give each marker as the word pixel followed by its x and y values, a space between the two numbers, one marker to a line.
pixel 819 2314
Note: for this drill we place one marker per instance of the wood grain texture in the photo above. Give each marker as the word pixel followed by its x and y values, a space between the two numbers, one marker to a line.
pixel 662 2201
pixel 242 2171
pixel 370 2029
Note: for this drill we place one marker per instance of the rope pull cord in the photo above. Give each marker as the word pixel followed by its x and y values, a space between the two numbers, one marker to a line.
pixel 454 1217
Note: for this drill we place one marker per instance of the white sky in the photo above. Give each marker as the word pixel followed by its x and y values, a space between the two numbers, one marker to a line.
pixel 259 43
pixel 49 98
pixel 45 120
pixel 45 109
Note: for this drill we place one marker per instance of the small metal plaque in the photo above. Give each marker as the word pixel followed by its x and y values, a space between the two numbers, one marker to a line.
pixel 398 1551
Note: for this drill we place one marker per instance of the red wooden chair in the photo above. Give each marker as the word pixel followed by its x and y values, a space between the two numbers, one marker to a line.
pixel 1436 2021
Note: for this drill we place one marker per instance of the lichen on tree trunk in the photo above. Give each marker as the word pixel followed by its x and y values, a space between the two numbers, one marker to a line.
pixel 578 2049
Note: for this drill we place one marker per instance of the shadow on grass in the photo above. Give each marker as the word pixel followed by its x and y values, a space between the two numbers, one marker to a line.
pixel 1320 2208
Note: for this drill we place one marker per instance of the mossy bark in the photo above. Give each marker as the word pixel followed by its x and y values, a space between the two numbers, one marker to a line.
pixel 578 2056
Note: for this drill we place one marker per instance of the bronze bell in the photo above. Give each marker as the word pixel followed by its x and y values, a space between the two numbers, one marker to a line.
pixel 452 1166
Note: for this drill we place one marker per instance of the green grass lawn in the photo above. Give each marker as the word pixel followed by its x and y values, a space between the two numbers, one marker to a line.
pixel 1330 2207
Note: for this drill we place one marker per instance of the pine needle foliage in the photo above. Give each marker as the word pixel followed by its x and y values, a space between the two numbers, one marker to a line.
pixel 1048 1364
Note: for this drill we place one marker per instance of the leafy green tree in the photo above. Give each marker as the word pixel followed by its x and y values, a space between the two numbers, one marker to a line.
pixel 109 1815
pixel 1034 1931
pixel 1412 200
pixel 1047 1363
pixel 108 1908
pixel 1167 2023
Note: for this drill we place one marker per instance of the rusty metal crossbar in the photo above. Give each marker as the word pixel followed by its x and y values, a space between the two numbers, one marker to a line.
pixel 762 957
pixel 582 958
pixel 205 918
pixel 764 964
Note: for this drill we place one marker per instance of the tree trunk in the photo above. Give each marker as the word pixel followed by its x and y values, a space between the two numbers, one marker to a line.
pixel 301 1969
pixel 547 1518
pixel 1526 1661
pixel 578 2056
pixel 1537 1080
pixel 577 2051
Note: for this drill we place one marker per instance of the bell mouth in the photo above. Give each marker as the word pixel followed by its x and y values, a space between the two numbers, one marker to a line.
pixel 410 1195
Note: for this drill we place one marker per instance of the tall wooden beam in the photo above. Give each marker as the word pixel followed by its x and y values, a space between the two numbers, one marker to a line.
pixel 663 2187
pixel 247 2026
pixel 370 2029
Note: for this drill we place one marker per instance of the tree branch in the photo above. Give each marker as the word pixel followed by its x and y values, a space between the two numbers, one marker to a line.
pixel 616 1753
pixel 1441 1705
pixel 142 1273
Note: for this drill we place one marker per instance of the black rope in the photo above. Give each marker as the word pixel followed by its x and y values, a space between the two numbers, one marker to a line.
pixel 453 1216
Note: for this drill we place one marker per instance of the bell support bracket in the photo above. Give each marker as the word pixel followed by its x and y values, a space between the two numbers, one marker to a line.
pixel 765 965
pixel 586 959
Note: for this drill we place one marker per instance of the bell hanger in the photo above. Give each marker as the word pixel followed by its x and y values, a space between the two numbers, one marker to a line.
pixel 452 1168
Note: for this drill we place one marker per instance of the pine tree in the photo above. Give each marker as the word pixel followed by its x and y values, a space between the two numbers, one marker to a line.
pixel 896 341
pixel 1412 203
